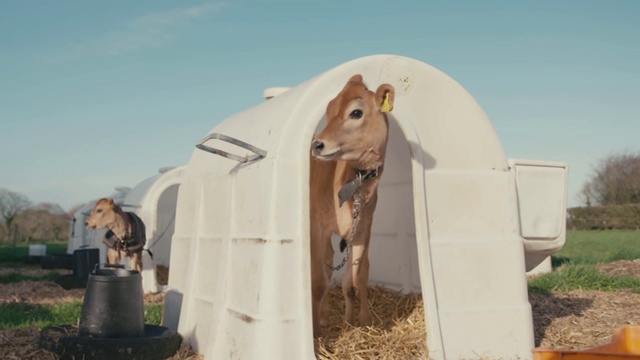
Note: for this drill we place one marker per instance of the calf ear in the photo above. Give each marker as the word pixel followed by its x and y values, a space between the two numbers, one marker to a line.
pixel 356 78
pixel 385 96
pixel 111 203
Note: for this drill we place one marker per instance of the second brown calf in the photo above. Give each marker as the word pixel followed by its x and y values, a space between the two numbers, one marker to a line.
pixel 126 235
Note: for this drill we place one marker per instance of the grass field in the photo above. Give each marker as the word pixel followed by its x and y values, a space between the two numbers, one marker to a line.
pixel 14 277
pixel 10 255
pixel 592 247
pixel 576 263
pixel 24 315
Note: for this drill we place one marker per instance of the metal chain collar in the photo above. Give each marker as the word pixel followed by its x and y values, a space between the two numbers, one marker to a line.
pixel 357 203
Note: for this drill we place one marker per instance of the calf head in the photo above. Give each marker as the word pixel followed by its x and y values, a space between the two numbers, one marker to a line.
pixel 103 214
pixel 356 123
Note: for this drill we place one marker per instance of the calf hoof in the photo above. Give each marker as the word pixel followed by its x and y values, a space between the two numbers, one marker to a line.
pixel 324 322
pixel 348 322
pixel 366 319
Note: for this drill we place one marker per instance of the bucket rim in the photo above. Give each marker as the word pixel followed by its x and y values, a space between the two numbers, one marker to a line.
pixel 112 271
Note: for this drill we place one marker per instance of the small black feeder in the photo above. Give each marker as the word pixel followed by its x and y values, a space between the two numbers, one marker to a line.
pixel 57 261
pixel 111 322
pixel 82 261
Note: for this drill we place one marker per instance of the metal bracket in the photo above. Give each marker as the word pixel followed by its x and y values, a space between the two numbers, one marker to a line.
pixel 258 153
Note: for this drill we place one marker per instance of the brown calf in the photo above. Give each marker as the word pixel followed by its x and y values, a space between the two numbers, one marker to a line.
pixel 347 158
pixel 126 231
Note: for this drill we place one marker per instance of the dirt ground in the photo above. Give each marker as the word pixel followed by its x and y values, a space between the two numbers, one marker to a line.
pixel 562 320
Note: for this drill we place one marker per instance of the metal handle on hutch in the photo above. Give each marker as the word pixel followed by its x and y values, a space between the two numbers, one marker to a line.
pixel 258 153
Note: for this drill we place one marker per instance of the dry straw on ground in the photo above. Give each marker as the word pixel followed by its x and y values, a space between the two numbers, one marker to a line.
pixel 22 344
pixel 38 292
pixel 579 320
pixel 398 330
pixel 162 275
pixel 31 270
pixel 623 267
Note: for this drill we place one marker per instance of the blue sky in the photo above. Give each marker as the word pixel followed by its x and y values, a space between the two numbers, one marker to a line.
pixel 99 94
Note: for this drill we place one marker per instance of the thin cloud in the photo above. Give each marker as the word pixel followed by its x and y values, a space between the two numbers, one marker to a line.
pixel 149 31
pixel 171 17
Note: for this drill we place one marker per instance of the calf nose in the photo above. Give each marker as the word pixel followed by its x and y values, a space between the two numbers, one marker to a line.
pixel 317 147
pixel 86 223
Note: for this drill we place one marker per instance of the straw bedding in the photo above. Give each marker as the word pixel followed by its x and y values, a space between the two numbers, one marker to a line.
pixel 568 320
pixel 623 267
pixel 32 270
pixel 582 319
pixel 162 275
pixel 398 330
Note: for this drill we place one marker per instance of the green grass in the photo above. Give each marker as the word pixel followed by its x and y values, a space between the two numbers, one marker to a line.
pixel 582 277
pixel 17 277
pixel 153 314
pixel 21 315
pixel 592 247
pixel 10 255
pixel 584 249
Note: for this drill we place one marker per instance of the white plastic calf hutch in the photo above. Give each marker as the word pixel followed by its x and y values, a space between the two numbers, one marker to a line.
pixel 154 201
pixel 455 220
pixel 81 237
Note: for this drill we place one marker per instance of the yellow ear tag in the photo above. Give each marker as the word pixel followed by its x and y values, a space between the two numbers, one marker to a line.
pixel 385 107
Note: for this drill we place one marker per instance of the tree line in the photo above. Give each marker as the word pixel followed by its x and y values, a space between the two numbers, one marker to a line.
pixel 22 221
pixel 611 199
pixel 611 196
pixel 615 181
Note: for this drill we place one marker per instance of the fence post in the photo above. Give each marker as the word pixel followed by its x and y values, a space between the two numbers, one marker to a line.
pixel 15 237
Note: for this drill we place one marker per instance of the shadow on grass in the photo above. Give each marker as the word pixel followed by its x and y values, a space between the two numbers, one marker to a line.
pixel 548 307
pixel 557 261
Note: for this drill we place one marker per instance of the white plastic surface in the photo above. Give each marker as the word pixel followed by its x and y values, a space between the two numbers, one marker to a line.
pixel 270 93
pixel 542 199
pixel 545 266
pixel 447 224
pixel 154 201
pixel 37 250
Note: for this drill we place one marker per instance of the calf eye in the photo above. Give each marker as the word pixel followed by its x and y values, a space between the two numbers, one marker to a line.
pixel 99 211
pixel 355 114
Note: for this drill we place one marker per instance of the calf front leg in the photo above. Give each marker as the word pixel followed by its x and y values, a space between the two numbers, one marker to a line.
pixel 319 280
pixel 136 261
pixel 362 281
pixel 354 285
pixel 361 256
pixel 328 261
pixel 112 256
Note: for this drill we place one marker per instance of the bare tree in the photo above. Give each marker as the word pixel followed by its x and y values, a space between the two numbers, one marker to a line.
pixel 43 222
pixel 615 181
pixel 586 194
pixel 12 204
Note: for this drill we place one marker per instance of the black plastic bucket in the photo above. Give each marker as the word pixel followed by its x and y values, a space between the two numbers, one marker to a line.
pixel 84 260
pixel 113 305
